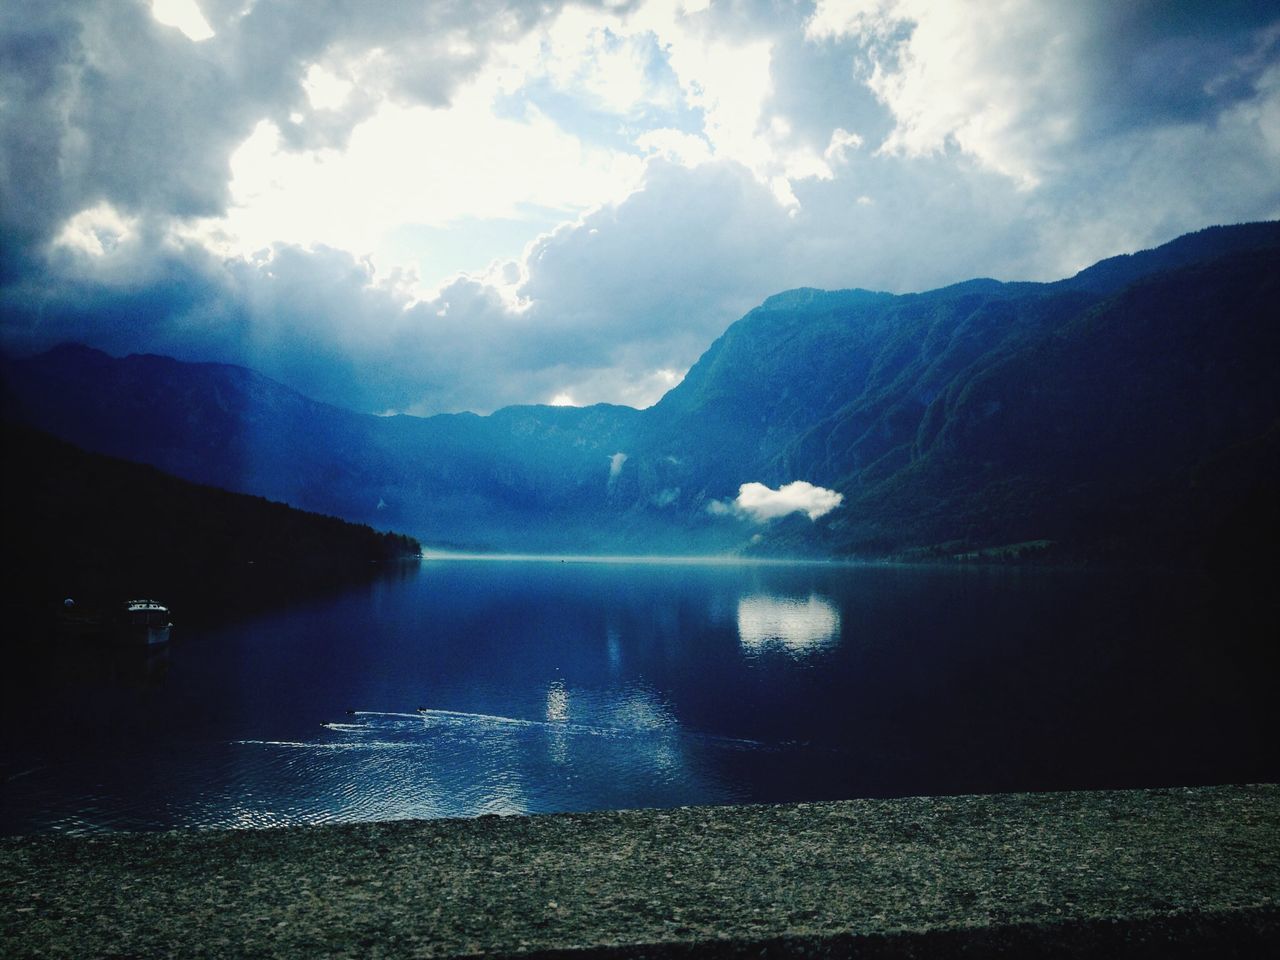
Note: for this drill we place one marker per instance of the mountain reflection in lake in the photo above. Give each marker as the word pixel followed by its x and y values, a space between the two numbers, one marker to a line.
pixel 461 688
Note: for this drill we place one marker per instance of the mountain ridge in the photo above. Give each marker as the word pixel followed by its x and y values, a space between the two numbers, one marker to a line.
pixel 960 416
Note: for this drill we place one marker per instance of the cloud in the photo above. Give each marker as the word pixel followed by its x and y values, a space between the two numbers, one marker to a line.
pixel 665 497
pixel 105 103
pixel 617 182
pixel 332 326
pixel 216 200
pixel 678 256
pixel 842 143
pixel 1021 85
pixel 761 504
pixel 348 198
pixel 615 465
pixel 183 14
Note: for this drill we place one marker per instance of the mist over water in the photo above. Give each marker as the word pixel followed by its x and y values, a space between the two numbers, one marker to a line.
pixel 461 688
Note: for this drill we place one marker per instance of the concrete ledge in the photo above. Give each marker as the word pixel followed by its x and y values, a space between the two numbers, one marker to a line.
pixel 1179 872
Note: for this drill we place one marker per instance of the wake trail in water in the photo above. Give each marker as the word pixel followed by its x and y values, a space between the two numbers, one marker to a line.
pixel 378 729
pixel 464 719
pixel 314 745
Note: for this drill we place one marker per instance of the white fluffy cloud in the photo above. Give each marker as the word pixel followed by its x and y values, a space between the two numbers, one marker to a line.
pixel 757 502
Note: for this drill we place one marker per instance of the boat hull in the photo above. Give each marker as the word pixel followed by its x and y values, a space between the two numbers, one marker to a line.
pixel 143 635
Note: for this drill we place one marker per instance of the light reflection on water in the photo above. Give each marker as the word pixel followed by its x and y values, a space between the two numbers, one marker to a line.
pixel 466 689
pixel 437 763
pixel 798 627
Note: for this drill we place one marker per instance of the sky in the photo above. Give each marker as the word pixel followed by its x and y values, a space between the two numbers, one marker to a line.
pixel 424 207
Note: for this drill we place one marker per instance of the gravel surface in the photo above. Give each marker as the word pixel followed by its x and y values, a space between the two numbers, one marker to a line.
pixel 1172 872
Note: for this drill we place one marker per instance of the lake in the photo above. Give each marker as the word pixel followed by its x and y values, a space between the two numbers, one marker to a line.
pixel 469 687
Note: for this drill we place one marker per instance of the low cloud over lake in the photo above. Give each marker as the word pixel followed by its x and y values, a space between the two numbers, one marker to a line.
pixel 757 502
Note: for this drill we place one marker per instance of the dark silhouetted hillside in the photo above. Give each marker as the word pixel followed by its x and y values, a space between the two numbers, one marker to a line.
pixel 100 530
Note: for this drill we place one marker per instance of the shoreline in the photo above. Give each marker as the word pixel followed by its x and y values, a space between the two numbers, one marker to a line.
pixel 1168 872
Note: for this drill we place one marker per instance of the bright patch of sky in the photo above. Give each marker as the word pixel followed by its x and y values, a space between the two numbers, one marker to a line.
pixel 183 14
pixel 96 231
pixel 557 123
pixel 417 166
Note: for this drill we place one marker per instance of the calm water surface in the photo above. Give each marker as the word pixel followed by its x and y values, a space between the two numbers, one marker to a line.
pixel 461 688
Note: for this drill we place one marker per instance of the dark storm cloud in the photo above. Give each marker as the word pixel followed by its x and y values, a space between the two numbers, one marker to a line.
pixel 101 103
pixel 1024 85
pixel 1177 62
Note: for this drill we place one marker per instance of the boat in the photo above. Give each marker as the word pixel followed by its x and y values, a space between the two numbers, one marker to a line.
pixel 133 622
pixel 144 622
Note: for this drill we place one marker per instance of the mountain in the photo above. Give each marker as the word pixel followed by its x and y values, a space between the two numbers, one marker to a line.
pixel 988 413
pixel 100 529
pixel 468 480
pixel 1127 412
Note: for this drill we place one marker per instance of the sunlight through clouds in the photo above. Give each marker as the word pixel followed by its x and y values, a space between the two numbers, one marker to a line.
pixel 326 90
pixel 435 167
pixel 513 202
pixel 96 231
pixel 584 53
pixel 415 165
pixel 183 14
pixel 494 153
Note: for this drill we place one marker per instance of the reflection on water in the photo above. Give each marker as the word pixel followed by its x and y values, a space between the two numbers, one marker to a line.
pixel 799 627
pixel 546 687
pixel 557 702
pixel 557 717
pixel 436 763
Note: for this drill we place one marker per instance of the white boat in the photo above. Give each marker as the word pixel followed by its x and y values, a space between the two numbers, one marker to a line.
pixel 144 622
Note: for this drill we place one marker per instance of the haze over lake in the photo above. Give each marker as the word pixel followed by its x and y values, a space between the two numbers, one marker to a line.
pixel 509 686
